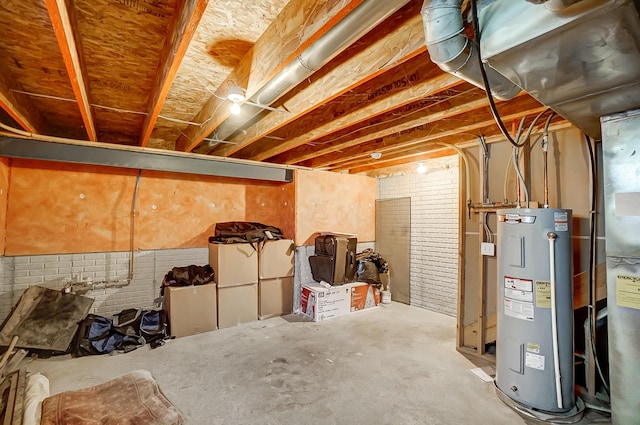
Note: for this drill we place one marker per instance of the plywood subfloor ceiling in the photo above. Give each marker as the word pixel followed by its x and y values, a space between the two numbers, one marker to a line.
pixel 156 74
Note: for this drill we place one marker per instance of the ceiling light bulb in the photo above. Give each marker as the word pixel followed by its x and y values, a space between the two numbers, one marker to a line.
pixel 422 168
pixel 235 108
pixel 376 155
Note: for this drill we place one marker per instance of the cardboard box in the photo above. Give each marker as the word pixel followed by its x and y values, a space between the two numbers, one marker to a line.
pixel 237 304
pixel 364 296
pixel 191 309
pixel 276 259
pixel 234 264
pixel 275 297
pixel 320 303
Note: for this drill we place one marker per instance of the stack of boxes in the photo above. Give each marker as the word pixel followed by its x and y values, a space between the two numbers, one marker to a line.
pixel 191 309
pixel 236 273
pixel 275 286
pixel 254 280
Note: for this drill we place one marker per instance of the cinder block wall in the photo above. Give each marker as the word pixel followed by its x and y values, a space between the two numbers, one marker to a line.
pixel 434 232
pixel 52 271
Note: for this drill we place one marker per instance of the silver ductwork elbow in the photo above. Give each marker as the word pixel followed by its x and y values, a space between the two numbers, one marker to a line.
pixel 453 52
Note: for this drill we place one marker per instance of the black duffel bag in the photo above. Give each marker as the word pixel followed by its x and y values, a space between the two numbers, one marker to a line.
pixel 244 232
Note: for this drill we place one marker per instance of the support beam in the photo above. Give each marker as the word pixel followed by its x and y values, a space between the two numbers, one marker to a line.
pixel 65 35
pixel 399 40
pixel 300 23
pixel 110 155
pixel 180 34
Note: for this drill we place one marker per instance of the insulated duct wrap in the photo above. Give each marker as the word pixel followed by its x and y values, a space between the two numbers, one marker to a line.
pixel 582 60
pixel 453 52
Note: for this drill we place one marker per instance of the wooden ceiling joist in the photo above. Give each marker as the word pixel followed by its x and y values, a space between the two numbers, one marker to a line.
pixel 180 34
pixel 463 102
pixel 432 152
pixel 436 150
pixel 395 89
pixel 432 126
pixel 400 39
pixel 18 108
pixel 300 24
pixel 63 28
pixel 477 124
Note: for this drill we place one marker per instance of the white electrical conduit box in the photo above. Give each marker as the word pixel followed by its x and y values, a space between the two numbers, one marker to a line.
pixel 488 249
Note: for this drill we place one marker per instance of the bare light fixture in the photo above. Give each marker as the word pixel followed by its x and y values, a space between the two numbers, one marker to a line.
pixel 236 96
pixel 376 155
pixel 421 168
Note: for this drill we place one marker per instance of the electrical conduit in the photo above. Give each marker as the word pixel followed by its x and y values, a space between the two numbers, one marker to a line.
pixel 516 165
pixel 133 222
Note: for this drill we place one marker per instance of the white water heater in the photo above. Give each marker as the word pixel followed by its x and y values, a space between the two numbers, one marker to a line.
pixel 535 351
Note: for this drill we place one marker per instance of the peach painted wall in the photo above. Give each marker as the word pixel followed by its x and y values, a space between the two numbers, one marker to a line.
pixel 61 208
pixel 272 204
pixel 334 202
pixel 56 208
pixel 181 210
pixel 4 189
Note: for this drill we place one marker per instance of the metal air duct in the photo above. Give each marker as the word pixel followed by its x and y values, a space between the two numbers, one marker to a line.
pixel 620 142
pixel 361 20
pixel 582 60
pixel 453 52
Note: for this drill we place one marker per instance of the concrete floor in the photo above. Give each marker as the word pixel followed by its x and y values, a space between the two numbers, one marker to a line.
pixel 391 365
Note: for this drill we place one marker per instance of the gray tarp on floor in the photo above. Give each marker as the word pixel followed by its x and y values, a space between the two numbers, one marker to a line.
pixel 45 319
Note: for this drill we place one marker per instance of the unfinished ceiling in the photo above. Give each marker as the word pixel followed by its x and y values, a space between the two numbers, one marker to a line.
pixel 156 74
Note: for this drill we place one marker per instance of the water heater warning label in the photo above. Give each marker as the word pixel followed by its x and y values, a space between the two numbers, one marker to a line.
pixel 514 294
pixel 518 284
pixel 561 222
pixel 518 309
pixel 534 361
pixel 518 298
